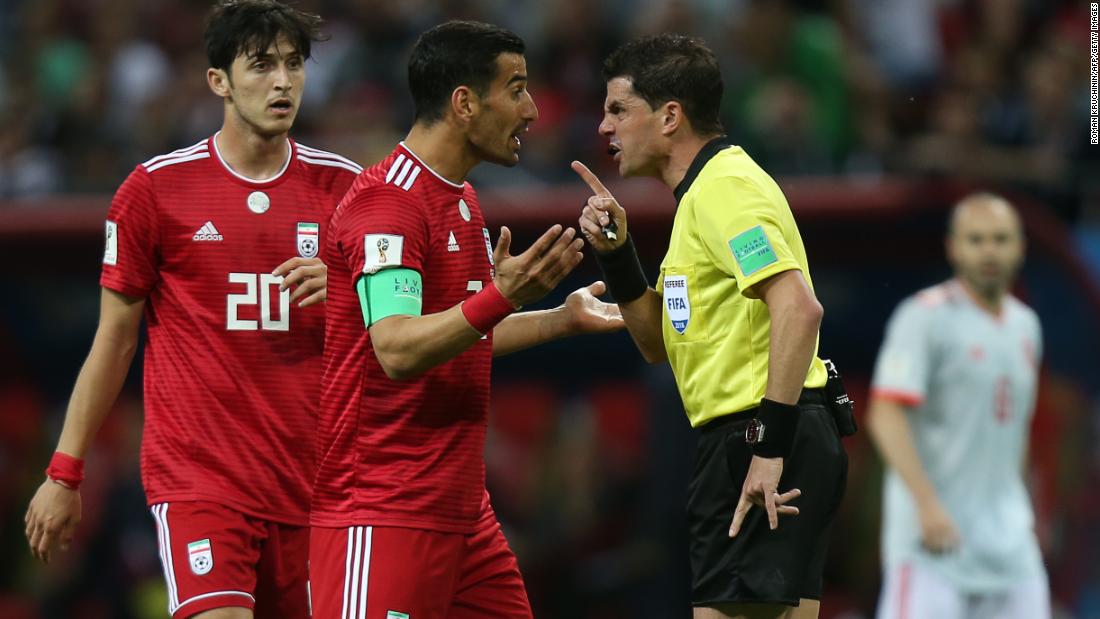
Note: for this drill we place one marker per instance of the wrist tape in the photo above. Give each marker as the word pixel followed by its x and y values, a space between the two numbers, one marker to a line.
pixel 623 272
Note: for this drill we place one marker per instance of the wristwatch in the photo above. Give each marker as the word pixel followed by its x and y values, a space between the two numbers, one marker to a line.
pixel 754 432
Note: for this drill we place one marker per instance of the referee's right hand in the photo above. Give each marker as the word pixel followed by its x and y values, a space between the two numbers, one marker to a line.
pixel 761 488
pixel 601 210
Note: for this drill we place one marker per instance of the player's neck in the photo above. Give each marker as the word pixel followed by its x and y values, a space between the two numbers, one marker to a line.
pixel 991 301
pixel 252 155
pixel 680 157
pixel 443 150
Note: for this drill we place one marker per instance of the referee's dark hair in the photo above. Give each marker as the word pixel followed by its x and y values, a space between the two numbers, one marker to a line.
pixel 250 27
pixel 672 67
pixel 452 54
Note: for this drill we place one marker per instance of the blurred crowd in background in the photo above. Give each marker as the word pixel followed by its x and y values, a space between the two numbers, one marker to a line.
pixel 987 89
pixel 587 466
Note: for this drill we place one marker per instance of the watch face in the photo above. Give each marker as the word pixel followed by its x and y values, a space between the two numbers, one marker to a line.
pixel 754 432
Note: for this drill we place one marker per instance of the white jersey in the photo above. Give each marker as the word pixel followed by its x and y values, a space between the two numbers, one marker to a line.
pixel 968 379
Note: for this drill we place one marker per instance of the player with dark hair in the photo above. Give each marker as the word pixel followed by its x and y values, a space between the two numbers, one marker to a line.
pixel 734 313
pixel 197 242
pixel 420 302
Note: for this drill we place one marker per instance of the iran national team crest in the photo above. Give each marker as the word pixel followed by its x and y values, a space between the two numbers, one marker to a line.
pixel 200 556
pixel 676 302
pixel 309 237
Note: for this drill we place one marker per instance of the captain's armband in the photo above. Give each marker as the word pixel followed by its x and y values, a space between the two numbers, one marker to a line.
pixel 390 292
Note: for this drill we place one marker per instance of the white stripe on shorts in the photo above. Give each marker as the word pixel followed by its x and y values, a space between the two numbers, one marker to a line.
pixel 164 539
pixel 356 573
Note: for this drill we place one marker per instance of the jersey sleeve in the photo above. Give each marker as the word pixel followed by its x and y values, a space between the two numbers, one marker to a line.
pixel 905 360
pixel 383 228
pixel 1037 329
pixel 739 227
pixel 132 238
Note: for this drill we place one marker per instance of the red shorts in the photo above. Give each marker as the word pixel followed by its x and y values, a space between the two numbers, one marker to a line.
pixel 370 572
pixel 214 557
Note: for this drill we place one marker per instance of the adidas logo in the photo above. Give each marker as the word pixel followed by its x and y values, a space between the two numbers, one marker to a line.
pixel 452 244
pixel 207 233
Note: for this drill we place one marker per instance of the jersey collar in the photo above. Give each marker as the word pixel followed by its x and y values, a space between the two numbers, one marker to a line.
pixel 457 188
pixel 709 150
pixel 253 182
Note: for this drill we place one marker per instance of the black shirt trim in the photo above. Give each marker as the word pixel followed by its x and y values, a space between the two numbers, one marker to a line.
pixel 709 150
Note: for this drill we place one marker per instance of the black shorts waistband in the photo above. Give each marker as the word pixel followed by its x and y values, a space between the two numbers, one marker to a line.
pixel 809 397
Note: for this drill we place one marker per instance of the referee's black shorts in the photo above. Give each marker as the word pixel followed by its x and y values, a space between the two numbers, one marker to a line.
pixel 761 565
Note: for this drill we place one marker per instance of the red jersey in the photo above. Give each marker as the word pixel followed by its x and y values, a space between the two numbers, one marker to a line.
pixel 402 453
pixel 232 368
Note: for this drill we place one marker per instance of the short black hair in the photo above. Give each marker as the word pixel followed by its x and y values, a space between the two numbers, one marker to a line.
pixel 250 27
pixel 672 67
pixel 452 54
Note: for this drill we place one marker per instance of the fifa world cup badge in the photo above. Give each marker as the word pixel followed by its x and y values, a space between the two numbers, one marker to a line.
pixel 381 251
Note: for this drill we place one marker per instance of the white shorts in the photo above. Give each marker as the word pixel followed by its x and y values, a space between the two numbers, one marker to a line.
pixel 917 592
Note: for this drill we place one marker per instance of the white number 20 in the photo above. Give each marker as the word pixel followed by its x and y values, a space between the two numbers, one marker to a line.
pixel 264 282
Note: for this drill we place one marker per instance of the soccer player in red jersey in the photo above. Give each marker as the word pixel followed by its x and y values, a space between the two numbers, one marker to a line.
pixel 419 304
pixel 233 356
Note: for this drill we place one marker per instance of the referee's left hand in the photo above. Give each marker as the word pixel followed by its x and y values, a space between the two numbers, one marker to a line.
pixel 761 487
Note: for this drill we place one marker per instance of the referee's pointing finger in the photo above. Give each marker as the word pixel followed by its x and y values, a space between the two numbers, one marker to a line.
pixel 590 179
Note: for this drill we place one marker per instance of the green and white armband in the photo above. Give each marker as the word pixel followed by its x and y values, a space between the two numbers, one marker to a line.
pixel 390 292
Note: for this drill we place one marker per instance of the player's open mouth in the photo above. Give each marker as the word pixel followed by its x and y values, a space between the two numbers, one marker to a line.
pixel 281 106
pixel 515 137
pixel 615 151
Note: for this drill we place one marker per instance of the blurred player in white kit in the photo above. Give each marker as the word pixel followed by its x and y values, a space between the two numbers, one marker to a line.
pixel 952 398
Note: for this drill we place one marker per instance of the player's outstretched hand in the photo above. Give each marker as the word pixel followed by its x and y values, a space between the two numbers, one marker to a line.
pixel 51 519
pixel 761 488
pixel 602 221
pixel 308 277
pixel 528 277
pixel 587 314
pixel 938 533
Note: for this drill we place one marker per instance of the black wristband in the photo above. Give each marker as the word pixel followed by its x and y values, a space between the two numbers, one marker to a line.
pixel 623 272
pixel 780 423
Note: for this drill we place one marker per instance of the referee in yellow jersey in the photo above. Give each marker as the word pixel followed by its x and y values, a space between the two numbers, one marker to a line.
pixel 734 313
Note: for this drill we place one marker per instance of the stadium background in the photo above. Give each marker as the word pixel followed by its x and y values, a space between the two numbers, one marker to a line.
pixel 873 114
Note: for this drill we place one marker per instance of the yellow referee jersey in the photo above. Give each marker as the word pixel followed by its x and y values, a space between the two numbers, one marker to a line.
pixel 733 229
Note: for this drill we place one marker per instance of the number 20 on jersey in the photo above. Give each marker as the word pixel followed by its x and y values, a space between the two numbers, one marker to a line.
pixel 257 289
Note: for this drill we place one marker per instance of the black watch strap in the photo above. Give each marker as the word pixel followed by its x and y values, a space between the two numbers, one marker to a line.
pixel 772 432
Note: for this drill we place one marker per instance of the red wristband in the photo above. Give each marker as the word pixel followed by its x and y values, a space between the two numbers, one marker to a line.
pixel 486 309
pixel 66 470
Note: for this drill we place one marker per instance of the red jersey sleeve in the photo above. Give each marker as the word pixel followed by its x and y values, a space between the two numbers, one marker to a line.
pixel 132 238
pixel 382 228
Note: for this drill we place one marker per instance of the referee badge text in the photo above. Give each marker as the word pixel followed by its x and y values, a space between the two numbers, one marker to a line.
pixel 677 305
pixel 200 556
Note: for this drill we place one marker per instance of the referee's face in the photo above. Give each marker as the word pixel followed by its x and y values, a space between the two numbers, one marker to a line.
pixel 633 130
